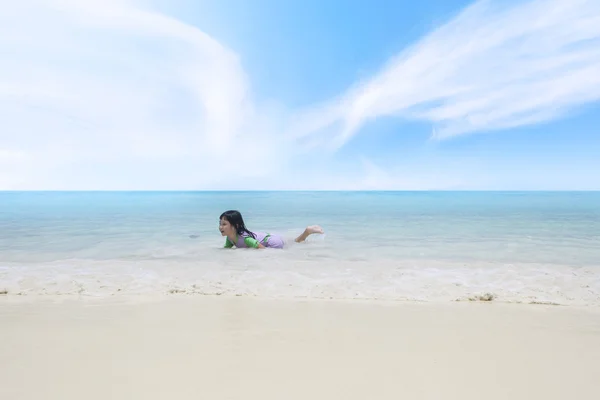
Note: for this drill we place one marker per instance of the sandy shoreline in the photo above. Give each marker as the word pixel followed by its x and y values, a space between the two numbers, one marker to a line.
pixel 251 348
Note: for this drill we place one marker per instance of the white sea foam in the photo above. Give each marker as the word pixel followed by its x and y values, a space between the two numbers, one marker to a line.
pixel 248 273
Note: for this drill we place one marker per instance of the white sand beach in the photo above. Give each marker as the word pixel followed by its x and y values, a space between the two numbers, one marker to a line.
pixel 206 347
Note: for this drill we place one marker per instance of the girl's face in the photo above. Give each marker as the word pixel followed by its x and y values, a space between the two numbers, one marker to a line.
pixel 226 228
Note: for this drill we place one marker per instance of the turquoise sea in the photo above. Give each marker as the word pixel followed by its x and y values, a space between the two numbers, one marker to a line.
pixel 541 247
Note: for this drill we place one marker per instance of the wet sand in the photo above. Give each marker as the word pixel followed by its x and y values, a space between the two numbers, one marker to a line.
pixel 207 347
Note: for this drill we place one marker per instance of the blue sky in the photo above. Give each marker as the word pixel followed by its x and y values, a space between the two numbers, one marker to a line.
pixel 232 94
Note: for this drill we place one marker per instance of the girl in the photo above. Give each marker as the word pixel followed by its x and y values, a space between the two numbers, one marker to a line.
pixel 231 225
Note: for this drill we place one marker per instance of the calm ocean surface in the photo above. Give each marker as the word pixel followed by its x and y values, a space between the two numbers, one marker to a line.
pixel 433 246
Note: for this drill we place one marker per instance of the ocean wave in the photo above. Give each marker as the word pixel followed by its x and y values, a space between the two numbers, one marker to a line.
pixel 275 276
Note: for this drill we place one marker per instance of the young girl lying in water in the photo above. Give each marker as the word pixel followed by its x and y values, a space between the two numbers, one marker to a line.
pixel 231 225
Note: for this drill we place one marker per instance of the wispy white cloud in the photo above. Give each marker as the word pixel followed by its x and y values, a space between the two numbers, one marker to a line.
pixel 495 65
pixel 109 94
pixel 106 94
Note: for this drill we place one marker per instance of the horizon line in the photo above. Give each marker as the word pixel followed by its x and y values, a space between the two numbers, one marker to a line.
pixel 298 190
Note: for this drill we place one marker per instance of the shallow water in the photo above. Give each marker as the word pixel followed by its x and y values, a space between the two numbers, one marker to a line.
pixel 518 246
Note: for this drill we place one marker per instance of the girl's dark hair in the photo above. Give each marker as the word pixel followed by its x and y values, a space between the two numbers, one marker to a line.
pixel 235 219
